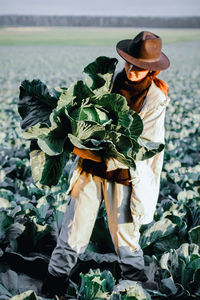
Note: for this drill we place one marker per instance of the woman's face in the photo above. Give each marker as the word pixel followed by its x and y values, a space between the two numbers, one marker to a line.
pixel 134 73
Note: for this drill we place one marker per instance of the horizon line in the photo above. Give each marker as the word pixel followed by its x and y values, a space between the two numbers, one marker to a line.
pixel 84 15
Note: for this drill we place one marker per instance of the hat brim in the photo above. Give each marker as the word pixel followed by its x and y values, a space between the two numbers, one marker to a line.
pixel 161 64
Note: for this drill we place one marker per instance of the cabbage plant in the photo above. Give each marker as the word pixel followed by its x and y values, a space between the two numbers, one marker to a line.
pixel 178 273
pixel 87 116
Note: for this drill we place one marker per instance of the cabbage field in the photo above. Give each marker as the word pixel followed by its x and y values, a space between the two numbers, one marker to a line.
pixel 31 218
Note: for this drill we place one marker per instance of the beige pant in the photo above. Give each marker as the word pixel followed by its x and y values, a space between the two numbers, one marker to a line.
pixel 127 207
pixel 79 219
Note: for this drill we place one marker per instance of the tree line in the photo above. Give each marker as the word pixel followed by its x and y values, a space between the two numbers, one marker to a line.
pixel 100 21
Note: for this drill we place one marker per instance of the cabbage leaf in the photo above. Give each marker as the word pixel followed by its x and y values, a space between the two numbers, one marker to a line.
pixel 85 115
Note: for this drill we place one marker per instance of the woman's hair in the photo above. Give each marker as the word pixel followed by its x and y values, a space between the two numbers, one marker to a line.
pixel 160 83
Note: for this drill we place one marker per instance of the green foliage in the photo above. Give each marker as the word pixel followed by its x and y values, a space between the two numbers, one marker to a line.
pixel 31 218
pixel 175 222
pixel 35 103
pixel 87 116
pixel 47 169
pixel 129 290
pixel 30 295
pixel 19 286
pixel 179 271
pixel 101 72
pixel 194 235
pixel 101 285
pixel 96 285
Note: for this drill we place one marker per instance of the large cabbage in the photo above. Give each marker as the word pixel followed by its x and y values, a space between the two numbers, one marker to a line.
pixel 86 115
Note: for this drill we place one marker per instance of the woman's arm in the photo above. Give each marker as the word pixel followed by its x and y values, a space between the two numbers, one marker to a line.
pixel 146 177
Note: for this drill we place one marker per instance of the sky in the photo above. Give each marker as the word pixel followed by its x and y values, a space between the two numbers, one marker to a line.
pixel 101 7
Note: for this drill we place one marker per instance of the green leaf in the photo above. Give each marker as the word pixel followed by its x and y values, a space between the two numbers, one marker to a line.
pixel 93 286
pixel 193 208
pixel 133 290
pixel 35 103
pixel 103 118
pixel 191 273
pixel 47 170
pixel 101 73
pixel 179 270
pixel 28 295
pixel 14 231
pixel 165 243
pixel 156 232
pixel 51 140
pixel 74 95
pixel 80 91
pixel 114 104
pixel 42 208
pixel 86 111
pixel 157 295
pixel 37 131
pixel 10 280
pixel 123 145
pixel 4 291
pixel 120 113
pixel 194 235
pixel 109 149
pixel 186 250
pixel 109 282
pixel 5 223
pixel 136 127
pixel 168 286
pixel 84 130
pixel 148 149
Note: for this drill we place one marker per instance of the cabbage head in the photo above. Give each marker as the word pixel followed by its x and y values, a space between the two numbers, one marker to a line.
pixel 85 115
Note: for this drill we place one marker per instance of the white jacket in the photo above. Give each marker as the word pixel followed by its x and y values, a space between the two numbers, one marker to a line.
pixel 146 178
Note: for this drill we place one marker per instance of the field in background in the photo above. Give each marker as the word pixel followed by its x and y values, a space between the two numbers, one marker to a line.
pixel 30 219
pixel 86 36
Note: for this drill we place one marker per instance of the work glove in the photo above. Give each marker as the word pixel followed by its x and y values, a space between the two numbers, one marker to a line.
pixel 87 154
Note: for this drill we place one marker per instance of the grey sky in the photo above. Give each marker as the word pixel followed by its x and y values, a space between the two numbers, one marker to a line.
pixel 102 7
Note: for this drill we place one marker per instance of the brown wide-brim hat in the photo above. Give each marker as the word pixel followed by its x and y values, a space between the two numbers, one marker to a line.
pixel 144 51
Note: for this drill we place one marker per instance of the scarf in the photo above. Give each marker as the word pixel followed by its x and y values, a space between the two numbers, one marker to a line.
pixel 135 92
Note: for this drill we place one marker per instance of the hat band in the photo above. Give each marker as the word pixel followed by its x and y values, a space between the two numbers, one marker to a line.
pixel 147 59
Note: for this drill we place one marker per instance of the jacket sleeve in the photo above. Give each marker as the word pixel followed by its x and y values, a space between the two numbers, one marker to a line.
pixel 153 116
pixel 146 177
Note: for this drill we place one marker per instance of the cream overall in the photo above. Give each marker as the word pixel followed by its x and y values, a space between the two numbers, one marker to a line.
pixel 128 207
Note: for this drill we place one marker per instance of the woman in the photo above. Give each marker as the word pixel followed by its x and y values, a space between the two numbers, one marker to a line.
pixel 130 196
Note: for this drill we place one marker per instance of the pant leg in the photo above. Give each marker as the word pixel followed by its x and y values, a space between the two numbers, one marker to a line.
pixel 78 223
pixel 124 228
